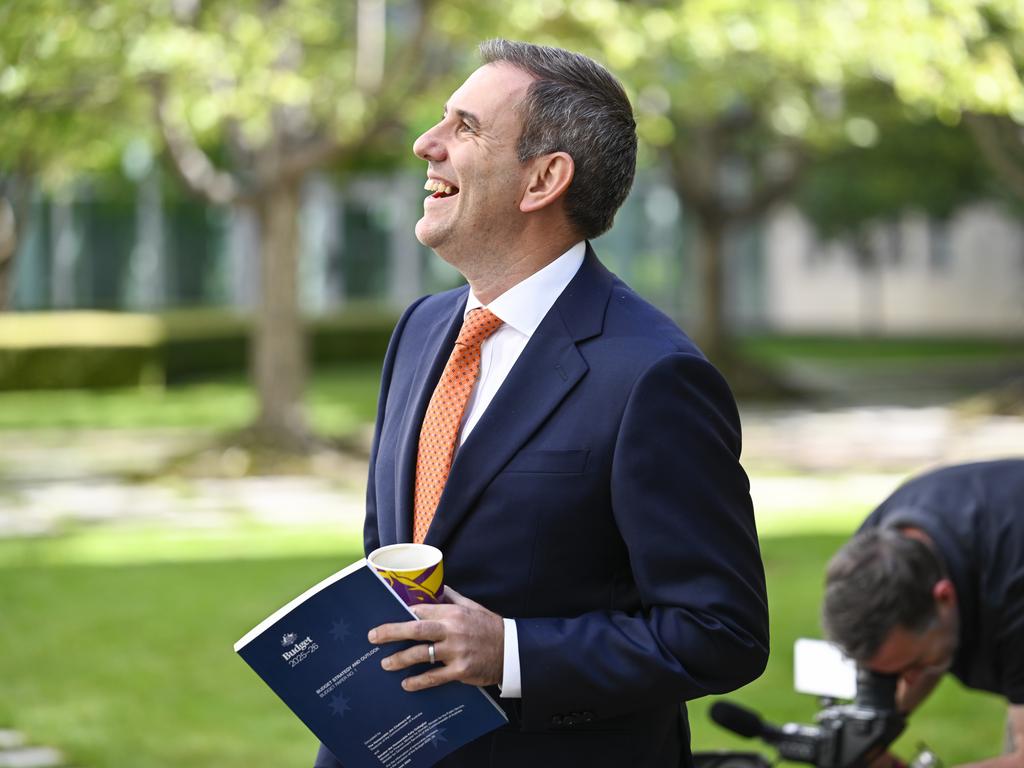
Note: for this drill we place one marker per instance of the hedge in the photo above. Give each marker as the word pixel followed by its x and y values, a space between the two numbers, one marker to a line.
pixel 84 349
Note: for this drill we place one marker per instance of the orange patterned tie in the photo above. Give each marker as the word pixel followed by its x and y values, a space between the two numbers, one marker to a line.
pixel 440 431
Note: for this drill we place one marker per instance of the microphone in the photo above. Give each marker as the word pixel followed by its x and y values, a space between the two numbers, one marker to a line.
pixel 793 742
pixel 737 719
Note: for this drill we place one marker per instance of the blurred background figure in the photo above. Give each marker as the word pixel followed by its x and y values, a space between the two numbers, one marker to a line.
pixel 932 584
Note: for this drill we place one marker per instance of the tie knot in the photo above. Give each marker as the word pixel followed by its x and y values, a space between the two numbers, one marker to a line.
pixel 478 325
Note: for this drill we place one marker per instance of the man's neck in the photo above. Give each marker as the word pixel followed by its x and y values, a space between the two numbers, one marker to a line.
pixel 498 275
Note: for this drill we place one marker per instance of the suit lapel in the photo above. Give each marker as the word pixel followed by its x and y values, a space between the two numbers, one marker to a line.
pixel 440 339
pixel 546 371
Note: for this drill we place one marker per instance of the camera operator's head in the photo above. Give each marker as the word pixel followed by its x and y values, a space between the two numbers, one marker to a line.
pixel 890 605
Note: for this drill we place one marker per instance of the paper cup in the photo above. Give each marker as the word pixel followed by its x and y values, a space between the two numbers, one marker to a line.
pixel 414 571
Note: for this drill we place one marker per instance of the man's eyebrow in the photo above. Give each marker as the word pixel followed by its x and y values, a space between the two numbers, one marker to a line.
pixel 472 120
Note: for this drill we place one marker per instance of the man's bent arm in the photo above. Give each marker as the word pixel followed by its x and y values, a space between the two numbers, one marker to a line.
pixel 682 506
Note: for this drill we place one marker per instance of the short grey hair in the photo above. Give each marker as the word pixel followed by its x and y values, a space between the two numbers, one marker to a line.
pixel 879 580
pixel 575 106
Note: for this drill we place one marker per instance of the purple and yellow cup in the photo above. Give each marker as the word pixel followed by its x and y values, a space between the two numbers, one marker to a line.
pixel 414 571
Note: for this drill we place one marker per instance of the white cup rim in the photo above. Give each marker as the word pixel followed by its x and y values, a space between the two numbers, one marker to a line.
pixel 404 557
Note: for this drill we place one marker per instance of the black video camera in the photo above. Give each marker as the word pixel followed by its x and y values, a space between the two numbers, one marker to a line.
pixel 845 735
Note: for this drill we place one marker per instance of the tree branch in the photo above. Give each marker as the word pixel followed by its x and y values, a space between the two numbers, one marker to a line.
pixel 694 172
pixel 15 194
pixel 767 193
pixel 997 142
pixel 193 166
pixel 386 96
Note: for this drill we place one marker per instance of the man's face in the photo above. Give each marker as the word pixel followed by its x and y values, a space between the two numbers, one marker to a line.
pixel 915 654
pixel 473 151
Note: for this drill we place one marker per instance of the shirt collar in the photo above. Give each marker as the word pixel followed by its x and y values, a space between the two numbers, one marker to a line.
pixel 526 303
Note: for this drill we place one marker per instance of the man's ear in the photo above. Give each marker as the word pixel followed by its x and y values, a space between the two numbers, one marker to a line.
pixel 944 592
pixel 550 178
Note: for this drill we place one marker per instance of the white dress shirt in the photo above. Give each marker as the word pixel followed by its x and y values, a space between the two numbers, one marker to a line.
pixel 521 309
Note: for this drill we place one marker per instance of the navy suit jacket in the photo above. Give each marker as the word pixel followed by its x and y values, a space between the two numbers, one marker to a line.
pixel 599 501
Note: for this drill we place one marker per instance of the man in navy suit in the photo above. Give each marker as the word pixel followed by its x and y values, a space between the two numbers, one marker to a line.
pixel 595 519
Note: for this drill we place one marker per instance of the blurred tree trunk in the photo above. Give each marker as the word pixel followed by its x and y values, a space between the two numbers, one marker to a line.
pixel 279 362
pixel 264 171
pixel 718 202
pixel 713 328
pixel 14 207
pixel 869 264
pixel 8 247
pixel 1001 141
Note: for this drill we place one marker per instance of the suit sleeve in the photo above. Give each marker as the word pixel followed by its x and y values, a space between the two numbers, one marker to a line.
pixel 682 505
pixel 1010 645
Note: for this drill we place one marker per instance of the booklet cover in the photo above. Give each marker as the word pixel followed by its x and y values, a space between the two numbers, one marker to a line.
pixel 314 654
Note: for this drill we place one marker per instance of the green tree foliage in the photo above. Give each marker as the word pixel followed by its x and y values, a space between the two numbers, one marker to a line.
pixel 282 87
pixel 247 96
pixel 738 97
pixel 898 159
pixel 62 108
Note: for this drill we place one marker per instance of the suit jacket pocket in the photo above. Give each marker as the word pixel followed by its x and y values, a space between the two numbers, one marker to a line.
pixel 549 462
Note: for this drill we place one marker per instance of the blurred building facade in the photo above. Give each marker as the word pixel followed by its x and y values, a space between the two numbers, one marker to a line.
pixel 143 250
pixel 921 275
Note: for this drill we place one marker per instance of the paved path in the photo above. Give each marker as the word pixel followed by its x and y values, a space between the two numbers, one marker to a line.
pixel 15 752
pixel 798 460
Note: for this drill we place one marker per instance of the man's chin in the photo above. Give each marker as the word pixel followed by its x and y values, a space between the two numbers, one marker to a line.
pixel 430 236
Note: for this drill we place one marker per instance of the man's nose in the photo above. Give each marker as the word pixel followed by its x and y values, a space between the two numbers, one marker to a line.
pixel 429 146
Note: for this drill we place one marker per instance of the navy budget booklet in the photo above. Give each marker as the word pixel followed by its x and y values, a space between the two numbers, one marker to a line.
pixel 314 654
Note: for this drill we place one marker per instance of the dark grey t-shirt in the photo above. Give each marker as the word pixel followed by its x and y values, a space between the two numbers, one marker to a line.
pixel 975 515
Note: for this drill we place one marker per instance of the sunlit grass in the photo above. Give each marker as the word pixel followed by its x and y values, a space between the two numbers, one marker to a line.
pixel 131 545
pixel 131 664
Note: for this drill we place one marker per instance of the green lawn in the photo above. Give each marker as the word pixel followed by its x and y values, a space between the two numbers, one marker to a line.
pixel 877 351
pixel 122 664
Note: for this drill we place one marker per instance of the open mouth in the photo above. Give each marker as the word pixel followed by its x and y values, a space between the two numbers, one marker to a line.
pixel 440 189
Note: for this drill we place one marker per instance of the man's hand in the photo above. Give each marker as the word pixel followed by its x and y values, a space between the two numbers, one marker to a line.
pixel 914 687
pixel 469 643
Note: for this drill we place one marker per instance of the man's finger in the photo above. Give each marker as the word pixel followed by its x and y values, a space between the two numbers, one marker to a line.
pixel 435 611
pixel 458 599
pixel 406 630
pixel 418 654
pixel 438 675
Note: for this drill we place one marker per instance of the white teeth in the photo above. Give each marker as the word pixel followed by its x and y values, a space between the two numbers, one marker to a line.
pixel 436 186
